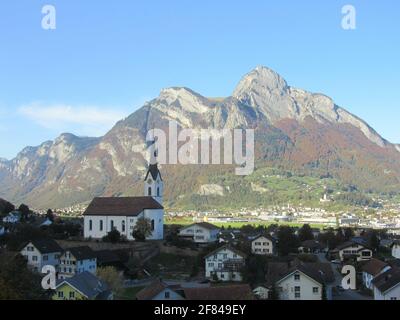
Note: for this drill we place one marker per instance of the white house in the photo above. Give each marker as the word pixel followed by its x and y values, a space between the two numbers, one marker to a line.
pixel 39 253
pixel 354 249
pixel 263 245
pixel 387 285
pixel 77 260
pixel 106 214
pixel 372 269
pixel 300 283
pixel 396 249
pixel 225 263
pixel 202 232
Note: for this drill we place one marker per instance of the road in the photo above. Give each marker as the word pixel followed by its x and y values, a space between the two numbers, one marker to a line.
pixel 343 295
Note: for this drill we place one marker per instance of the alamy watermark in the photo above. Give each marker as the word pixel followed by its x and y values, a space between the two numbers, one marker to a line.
pixel 203 147
pixel 349 17
pixel 49 17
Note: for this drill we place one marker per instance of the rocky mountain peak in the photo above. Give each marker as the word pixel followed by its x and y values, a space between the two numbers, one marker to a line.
pixel 261 80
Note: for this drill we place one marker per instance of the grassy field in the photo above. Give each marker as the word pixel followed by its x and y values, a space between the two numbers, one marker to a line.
pixel 238 225
pixel 129 293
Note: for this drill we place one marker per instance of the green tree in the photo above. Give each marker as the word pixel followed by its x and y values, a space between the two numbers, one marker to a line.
pixel 112 278
pixel 142 229
pixel 114 236
pixel 305 233
pixel 288 242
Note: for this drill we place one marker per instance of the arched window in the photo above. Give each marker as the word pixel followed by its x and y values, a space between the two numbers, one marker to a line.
pixel 123 226
pixel 158 191
pixel 90 225
pixel 112 225
pixel 149 191
pixel 101 225
pixel 152 225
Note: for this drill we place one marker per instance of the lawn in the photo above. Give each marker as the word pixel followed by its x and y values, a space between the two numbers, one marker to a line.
pixel 129 293
pixel 238 225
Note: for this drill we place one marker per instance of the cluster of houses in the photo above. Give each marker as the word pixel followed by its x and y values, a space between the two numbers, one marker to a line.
pixel 76 269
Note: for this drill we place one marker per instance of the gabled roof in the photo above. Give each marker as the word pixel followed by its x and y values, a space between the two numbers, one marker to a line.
pixel 87 284
pixel 227 247
pixel 153 171
pixel 387 280
pixel 115 206
pixel 307 270
pixel 152 290
pixel 205 225
pixel 45 246
pixel 267 236
pixel 229 292
pixel 82 253
pixel 349 244
pixel 374 266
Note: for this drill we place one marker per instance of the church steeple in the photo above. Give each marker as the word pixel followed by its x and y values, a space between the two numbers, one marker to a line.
pixel 153 183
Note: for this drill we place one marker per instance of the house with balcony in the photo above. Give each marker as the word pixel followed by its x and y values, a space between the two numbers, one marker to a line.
pixel 200 233
pixel 225 264
pixel 77 260
pixel 353 250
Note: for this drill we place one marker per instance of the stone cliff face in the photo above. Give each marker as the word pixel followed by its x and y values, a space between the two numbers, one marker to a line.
pixel 296 129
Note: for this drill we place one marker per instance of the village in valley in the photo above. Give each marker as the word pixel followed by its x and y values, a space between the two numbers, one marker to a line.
pixel 123 249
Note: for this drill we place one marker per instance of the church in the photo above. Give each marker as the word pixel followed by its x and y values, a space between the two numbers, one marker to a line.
pixel 121 213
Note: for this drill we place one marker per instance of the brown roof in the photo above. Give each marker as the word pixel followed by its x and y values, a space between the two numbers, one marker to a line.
pixel 115 206
pixel 374 266
pixel 151 291
pixel 387 280
pixel 275 271
pixel 229 292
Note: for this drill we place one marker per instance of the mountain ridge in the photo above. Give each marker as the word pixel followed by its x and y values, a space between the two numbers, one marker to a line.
pixel 296 129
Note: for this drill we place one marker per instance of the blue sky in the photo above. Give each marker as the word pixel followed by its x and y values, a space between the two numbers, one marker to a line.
pixel 106 58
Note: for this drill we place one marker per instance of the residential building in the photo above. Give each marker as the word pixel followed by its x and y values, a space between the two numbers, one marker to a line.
pixel 77 260
pixel 263 245
pixel 297 281
pixel 352 249
pixel 387 285
pixel 372 269
pixel 201 233
pixel 396 249
pixel 122 213
pixel 40 253
pixel 301 282
pixel 159 290
pixel 82 286
pixel 225 263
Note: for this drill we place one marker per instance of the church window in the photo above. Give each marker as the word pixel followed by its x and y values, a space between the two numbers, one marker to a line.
pixel 158 191
pixel 112 224
pixel 152 225
pixel 90 225
pixel 123 226
pixel 149 191
pixel 101 225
